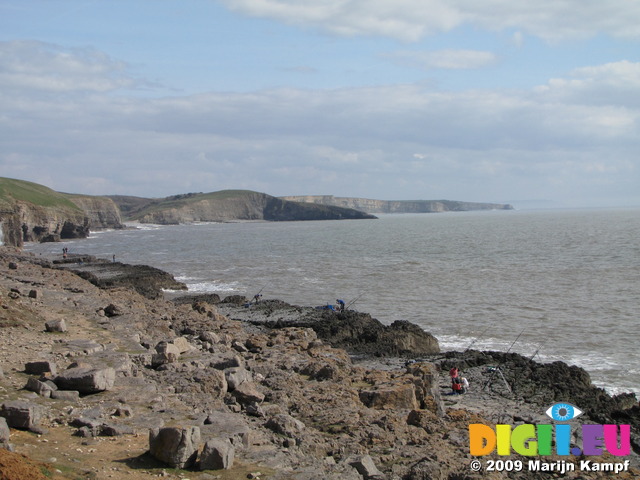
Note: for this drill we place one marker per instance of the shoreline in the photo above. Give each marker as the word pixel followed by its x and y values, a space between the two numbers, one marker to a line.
pixel 446 310
pixel 169 289
pixel 289 402
pixel 166 287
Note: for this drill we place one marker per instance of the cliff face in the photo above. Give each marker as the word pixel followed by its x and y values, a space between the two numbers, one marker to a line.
pixel 234 205
pixel 101 211
pixel 26 222
pixel 34 213
pixel 398 206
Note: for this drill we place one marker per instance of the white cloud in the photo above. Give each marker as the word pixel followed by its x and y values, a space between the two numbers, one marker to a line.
pixel 444 59
pixel 410 20
pixel 614 84
pixel 45 67
pixel 405 19
pixel 390 141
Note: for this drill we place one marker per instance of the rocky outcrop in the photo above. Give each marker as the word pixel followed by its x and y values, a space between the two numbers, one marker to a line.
pixel 398 206
pixel 240 395
pixel 542 383
pixel 356 332
pixel 230 205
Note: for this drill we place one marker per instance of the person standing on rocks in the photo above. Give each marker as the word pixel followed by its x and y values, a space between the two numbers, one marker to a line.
pixel 340 305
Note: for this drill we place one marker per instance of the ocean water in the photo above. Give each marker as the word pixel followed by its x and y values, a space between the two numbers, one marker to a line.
pixel 564 283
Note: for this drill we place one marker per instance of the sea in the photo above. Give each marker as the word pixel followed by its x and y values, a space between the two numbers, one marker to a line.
pixel 548 284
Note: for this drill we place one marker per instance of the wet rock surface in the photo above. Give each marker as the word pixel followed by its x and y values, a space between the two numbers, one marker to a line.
pixel 245 395
pixel 147 281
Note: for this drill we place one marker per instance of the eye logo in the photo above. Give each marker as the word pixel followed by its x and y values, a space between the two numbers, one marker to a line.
pixel 563 412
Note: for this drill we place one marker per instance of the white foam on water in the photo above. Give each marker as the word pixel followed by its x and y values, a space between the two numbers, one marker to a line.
pixel 145 226
pixel 213 287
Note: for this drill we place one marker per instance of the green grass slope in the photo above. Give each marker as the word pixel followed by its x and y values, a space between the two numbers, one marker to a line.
pixel 12 191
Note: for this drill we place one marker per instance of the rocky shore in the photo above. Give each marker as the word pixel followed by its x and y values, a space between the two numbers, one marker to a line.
pixel 103 378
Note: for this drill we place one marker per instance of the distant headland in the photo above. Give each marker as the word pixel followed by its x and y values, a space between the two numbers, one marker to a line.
pixel 398 206
pixel 30 212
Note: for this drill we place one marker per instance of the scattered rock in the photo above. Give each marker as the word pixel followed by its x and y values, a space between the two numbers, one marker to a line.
pixel 82 347
pixel 165 353
pixel 210 337
pixel 280 398
pixel 182 344
pixel 41 388
pixel 56 326
pixel 112 310
pixel 247 393
pixel 286 425
pixel 365 467
pixel 236 376
pixel 124 411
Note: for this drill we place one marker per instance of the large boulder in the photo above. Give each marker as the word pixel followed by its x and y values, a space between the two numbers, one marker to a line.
pixel 40 367
pixel 177 447
pixel 390 397
pixel 21 415
pixel 86 379
pixel 217 454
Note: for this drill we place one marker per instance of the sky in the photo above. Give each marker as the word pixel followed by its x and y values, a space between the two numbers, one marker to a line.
pixel 536 104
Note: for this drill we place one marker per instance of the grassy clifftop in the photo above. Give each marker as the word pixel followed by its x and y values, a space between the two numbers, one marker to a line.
pixel 12 191
pixel 30 212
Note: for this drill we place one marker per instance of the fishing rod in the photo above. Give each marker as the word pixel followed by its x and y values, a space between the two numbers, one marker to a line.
pixel 538 349
pixel 354 301
pixel 497 368
pixel 514 342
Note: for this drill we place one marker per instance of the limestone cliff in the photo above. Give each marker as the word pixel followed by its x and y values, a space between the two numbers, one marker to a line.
pixel 229 205
pixel 398 206
pixel 102 211
pixel 34 213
